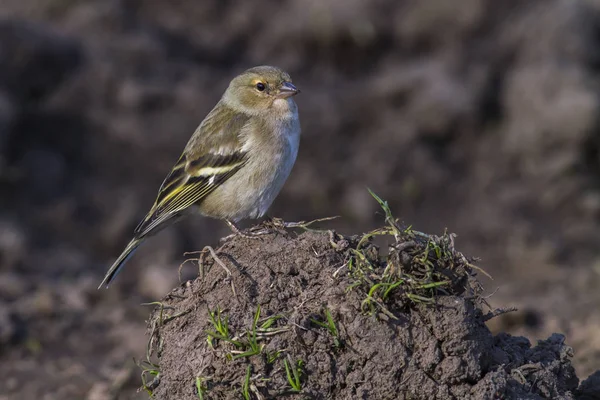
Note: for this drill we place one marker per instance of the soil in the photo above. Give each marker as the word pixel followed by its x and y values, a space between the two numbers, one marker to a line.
pixel 482 119
pixel 413 350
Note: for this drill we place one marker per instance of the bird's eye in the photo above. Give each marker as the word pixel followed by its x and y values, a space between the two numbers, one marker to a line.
pixel 260 86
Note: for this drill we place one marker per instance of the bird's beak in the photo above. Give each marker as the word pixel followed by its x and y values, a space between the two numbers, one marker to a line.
pixel 287 89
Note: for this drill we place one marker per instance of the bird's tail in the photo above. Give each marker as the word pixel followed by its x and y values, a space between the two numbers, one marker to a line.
pixel 120 262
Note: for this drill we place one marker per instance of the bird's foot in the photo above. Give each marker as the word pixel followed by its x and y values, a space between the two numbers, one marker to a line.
pixel 278 223
pixel 270 225
pixel 251 234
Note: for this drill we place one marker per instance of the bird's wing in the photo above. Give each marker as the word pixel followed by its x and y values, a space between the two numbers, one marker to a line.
pixel 213 155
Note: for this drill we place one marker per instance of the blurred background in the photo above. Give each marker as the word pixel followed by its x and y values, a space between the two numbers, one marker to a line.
pixel 478 116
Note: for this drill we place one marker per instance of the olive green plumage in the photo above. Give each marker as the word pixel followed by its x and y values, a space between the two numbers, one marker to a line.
pixel 235 163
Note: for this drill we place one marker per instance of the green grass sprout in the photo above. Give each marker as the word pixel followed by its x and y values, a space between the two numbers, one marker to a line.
pixel 200 387
pixel 246 384
pixel 417 268
pixel 331 327
pixel 293 373
pixel 220 324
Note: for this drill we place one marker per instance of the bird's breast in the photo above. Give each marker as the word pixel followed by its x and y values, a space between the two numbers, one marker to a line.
pixel 271 146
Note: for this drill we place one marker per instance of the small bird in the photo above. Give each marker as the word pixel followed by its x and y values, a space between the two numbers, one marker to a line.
pixel 235 163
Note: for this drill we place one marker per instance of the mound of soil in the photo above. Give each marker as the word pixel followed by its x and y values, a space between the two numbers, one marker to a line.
pixel 320 315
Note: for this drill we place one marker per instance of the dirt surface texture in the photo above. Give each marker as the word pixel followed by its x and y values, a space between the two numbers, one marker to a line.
pixel 479 116
pixel 324 316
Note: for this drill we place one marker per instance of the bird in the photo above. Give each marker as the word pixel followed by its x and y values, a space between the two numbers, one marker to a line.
pixel 235 163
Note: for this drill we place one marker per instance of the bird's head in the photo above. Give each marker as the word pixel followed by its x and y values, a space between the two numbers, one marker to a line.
pixel 261 89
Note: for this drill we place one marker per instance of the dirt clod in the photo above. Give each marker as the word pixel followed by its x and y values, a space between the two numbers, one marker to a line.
pixel 308 320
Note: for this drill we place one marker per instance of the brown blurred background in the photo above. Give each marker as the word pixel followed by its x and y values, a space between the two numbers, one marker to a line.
pixel 479 116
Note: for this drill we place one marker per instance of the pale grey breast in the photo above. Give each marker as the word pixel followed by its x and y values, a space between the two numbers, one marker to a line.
pixel 250 192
